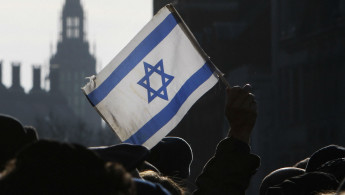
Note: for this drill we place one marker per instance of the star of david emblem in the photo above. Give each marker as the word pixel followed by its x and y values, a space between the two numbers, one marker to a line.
pixel 155 81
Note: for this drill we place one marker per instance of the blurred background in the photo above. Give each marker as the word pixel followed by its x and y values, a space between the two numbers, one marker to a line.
pixel 291 51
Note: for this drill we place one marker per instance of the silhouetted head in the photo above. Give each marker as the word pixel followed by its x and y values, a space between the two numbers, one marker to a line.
pixel 13 137
pixel 324 155
pixel 172 157
pixel 305 184
pixel 278 176
pixel 335 167
pixel 49 167
pixel 130 156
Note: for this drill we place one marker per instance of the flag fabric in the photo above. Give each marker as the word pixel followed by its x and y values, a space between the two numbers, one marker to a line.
pixel 146 90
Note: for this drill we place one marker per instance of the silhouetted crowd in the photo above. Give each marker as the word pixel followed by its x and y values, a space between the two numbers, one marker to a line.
pixel 29 165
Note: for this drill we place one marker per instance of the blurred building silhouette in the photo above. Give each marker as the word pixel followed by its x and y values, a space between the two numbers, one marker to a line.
pixel 73 62
pixel 292 53
pixel 63 112
pixel 307 76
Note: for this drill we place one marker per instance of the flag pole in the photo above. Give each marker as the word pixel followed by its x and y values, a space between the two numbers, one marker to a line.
pixel 197 45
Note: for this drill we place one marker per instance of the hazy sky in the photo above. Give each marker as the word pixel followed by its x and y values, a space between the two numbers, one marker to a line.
pixel 28 28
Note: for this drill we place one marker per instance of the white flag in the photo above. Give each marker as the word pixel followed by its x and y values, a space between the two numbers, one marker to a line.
pixel 145 91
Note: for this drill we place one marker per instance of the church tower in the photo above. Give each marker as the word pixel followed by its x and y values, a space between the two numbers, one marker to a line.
pixel 72 62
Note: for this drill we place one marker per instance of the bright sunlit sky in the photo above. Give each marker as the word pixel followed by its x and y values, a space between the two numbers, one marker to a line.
pixel 29 28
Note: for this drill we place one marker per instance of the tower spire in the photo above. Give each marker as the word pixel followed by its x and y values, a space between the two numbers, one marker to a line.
pixel 72 61
pixel 72 21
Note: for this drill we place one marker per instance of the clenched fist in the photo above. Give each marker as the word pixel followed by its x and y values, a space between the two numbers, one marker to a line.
pixel 241 112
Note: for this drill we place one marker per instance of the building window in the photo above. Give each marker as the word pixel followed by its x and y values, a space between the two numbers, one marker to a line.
pixel 72 30
pixel 72 22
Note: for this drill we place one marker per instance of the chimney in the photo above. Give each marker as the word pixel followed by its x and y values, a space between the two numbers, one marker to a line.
pixel 16 77
pixel 36 78
pixel 1 85
pixel 0 72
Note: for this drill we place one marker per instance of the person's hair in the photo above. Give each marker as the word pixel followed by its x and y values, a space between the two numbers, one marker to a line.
pixel 48 167
pixel 13 137
pixel 173 187
pixel 120 181
pixel 330 193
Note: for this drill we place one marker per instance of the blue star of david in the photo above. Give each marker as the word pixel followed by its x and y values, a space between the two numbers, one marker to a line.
pixel 145 81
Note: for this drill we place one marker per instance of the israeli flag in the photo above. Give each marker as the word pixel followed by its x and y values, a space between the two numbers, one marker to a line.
pixel 145 91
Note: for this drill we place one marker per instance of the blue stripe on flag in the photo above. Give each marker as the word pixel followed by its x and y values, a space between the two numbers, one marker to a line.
pixel 145 47
pixel 165 115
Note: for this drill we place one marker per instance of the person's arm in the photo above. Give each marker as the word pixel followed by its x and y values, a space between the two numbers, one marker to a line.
pixel 230 169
